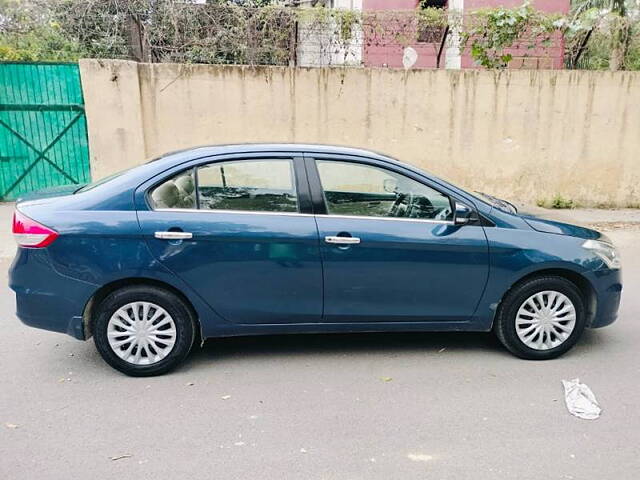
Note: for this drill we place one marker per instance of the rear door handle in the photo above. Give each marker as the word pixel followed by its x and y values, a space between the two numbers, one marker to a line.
pixel 342 240
pixel 173 235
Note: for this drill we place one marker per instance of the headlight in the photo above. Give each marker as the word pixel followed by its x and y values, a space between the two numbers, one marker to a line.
pixel 606 251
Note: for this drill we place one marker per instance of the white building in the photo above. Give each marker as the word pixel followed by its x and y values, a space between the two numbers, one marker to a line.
pixel 320 42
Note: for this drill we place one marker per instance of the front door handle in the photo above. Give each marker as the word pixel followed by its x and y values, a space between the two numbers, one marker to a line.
pixel 173 235
pixel 342 240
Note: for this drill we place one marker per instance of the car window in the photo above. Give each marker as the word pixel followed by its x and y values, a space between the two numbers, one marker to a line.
pixel 177 192
pixel 255 185
pixel 364 190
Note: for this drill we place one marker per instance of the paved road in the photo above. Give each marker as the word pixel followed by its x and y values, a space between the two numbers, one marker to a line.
pixel 418 406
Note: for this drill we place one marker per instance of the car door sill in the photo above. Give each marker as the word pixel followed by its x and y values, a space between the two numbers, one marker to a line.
pixel 356 324
pixel 356 327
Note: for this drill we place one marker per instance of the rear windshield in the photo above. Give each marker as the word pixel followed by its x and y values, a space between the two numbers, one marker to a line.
pixel 97 183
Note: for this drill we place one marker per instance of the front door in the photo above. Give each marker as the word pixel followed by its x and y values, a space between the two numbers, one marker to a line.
pixel 237 233
pixel 390 249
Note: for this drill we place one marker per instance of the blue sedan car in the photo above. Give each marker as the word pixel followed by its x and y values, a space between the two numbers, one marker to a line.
pixel 284 238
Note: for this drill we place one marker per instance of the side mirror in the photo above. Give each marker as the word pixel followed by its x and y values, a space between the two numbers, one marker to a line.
pixel 390 185
pixel 464 214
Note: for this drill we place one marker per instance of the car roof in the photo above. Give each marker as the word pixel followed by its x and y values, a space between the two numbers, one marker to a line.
pixel 210 150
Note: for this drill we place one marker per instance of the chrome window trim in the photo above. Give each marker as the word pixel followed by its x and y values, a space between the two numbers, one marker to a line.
pixel 398 219
pixel 245 212
pixel 290 214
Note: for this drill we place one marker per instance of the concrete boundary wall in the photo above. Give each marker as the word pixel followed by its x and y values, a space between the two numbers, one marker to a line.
pixel 523 135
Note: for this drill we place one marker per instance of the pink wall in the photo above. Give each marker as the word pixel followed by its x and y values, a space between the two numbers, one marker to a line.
pixel 389 4
pixel 544 5
pixel 386 52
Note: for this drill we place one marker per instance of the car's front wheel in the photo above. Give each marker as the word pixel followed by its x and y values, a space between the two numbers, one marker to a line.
pixel 143 330
pixel 541 318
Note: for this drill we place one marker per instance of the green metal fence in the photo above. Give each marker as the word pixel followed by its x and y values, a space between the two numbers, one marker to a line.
pixel 43 130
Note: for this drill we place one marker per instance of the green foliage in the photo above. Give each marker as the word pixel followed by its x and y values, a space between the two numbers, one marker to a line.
pixel 330 20
pixel 347 21
pixel 578 7
pixel 495 30
pixel 171 31
pixel 43 44
pixel 431 23
pixel 632 60
pixel 432 17
pixel 603 34
pixel 266 32
pixel 28 33
pixel 558 202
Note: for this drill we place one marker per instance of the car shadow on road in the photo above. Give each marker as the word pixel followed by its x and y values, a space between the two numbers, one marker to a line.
pixel 338 343
pixel 271 346
pixel 274 347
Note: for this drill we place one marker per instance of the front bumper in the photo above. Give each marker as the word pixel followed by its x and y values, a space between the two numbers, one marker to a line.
pixel 46 299
pixel 607 285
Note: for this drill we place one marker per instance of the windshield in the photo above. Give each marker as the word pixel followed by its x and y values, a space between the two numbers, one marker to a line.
pixel 498 203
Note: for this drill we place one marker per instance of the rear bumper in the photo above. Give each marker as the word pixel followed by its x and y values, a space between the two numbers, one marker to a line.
pixel 608 289
pixel 46 299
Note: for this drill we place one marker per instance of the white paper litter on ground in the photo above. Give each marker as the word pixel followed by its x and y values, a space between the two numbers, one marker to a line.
pixel 580 400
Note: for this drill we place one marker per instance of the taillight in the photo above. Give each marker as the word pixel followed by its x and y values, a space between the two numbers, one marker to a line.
pixel 31 234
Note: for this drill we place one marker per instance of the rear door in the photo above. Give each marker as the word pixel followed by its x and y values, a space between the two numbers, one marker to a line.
pixel 390 249
pixel 240 232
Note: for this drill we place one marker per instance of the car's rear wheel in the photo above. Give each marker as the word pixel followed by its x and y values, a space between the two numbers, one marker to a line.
pixel 143 330
pixel 541 318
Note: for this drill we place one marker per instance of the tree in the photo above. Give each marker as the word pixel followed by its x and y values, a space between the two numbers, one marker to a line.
pixel 615 13
pixel 28 33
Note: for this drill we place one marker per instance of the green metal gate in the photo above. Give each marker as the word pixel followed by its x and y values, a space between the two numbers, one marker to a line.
pixel 43 130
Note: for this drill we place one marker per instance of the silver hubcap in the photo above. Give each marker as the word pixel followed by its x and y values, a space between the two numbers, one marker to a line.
pixel 545 320
pixel 141 333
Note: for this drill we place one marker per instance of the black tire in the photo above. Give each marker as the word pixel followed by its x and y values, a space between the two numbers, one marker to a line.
pixel 174 306
pixel 505 322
